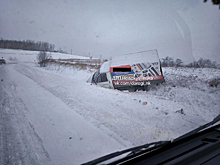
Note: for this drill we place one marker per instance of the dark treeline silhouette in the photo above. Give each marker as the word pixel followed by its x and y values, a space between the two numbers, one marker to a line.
pixel 28 45
pixel 201 63
pixel 204 63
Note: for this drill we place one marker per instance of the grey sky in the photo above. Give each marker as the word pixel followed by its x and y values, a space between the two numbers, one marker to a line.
pixel 186 29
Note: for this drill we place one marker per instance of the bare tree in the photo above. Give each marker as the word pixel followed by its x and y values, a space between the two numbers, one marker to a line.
pixel 206 63
pixel 193 64
pixel 43 58
pixel 167 61
pixel 178 62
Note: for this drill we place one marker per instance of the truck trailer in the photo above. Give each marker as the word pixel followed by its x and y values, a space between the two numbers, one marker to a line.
pixel 134 71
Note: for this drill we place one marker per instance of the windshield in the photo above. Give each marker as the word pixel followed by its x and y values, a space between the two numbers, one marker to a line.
pixel 83 79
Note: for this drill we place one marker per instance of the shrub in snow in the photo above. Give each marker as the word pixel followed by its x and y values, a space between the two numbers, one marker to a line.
pixel 43 58
pixel 214 82
pixel 13 59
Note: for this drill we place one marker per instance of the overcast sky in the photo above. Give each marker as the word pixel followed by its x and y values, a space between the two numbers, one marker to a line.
pixel 186 29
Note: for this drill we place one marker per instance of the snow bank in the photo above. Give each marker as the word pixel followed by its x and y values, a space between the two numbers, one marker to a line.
pixel 69 70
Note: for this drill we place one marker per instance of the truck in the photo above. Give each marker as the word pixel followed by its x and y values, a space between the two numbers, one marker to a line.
pixel 134 71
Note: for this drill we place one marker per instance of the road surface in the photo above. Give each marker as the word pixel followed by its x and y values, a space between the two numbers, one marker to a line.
pixel 36 127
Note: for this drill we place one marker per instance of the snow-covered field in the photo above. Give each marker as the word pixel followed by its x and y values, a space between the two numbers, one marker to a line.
pixel 31 56
pixel 54 117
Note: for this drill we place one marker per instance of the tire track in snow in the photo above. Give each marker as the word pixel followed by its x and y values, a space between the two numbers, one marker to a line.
pixel 19 143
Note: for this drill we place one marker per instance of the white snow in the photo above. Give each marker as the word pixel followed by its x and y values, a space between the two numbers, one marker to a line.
pixel 31 56
pixel 105 67
pixel 135 58
pixel 78 122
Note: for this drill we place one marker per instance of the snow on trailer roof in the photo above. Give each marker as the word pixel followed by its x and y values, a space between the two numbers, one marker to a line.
pixel 105 67
pixel 129 59
pixel 134 58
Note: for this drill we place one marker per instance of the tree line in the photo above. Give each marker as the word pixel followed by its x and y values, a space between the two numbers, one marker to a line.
pixel 29 45
pixel 201 63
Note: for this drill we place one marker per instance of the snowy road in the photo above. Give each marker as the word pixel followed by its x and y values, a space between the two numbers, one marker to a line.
pixel 51 118
pixel 19 143
pixel 34 122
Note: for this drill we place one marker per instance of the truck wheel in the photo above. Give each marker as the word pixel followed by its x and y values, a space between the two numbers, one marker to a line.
pixel 132 90
pixel 147 88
